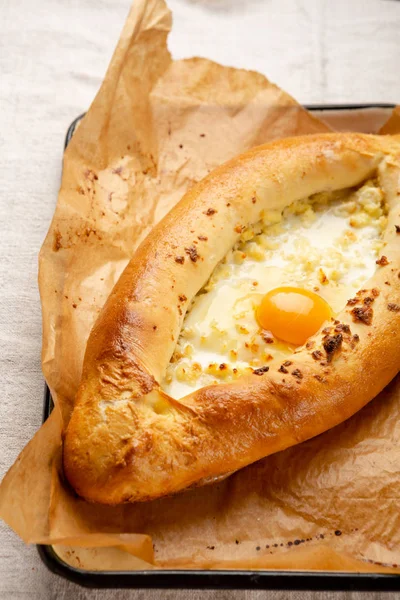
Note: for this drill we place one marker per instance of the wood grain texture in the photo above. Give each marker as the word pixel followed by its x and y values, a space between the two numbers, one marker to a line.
pixel 52 60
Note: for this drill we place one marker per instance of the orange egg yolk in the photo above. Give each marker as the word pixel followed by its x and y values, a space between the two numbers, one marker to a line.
pixel 292 314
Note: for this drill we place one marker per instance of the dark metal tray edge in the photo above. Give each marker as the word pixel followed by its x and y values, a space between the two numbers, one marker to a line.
pixel 224 579
pixel 235 579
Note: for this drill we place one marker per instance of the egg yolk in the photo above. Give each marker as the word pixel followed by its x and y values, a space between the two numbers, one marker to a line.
pixel 292 314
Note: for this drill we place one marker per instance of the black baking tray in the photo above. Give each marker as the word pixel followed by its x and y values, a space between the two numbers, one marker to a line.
pixel 224 579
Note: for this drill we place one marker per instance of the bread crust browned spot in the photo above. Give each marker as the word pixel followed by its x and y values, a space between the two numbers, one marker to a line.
pixel 382 261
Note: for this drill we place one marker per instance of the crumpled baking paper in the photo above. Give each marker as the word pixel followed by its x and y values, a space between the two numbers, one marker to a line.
pixel 155 127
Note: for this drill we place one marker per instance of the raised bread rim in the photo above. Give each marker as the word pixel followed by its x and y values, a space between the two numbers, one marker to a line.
pixel 127 440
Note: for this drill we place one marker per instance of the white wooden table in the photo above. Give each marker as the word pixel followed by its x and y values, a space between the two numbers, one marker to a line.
pixel 53 55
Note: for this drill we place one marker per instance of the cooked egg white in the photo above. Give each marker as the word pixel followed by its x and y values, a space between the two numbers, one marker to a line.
pixel 327 244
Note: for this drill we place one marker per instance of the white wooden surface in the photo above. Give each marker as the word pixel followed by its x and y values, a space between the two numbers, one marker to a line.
pixel 53 54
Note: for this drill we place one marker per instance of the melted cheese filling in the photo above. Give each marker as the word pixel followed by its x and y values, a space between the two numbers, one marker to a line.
pixel 327 244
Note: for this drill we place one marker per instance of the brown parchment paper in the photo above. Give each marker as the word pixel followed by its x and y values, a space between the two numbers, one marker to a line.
pixel 155 127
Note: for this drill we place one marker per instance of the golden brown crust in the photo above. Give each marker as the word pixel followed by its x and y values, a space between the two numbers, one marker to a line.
pixel 127 440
